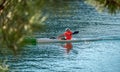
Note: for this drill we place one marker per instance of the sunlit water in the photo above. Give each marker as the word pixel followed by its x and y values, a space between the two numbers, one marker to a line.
pixel 93 56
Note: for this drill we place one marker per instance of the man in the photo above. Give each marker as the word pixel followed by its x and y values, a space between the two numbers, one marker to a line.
pixel 67 35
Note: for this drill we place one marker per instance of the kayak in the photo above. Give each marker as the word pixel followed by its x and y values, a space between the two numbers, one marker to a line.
pixel 47 40
pixel 35 41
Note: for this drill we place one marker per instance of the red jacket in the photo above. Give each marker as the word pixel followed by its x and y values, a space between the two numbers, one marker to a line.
pixel 68 35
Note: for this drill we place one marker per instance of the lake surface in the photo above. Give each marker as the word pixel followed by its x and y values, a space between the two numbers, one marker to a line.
pixel 86 56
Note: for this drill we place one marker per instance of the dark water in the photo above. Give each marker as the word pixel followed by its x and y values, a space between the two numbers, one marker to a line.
pixel 93 56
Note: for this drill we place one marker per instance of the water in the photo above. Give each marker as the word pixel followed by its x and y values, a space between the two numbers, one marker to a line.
pixel 93 56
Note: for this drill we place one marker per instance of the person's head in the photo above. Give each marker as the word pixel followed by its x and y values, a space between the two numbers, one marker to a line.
pixel 67 29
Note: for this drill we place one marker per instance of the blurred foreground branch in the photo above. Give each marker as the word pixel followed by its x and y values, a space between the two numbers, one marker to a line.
pixel 111 6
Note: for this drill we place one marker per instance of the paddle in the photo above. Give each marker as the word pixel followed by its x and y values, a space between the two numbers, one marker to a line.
pixel 75 32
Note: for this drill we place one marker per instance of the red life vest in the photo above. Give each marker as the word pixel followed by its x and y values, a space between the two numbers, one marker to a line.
pixel 68 35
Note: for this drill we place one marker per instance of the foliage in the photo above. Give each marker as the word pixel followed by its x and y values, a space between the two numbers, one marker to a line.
pixel 4 69
pixel 16 20
pixel 112 6
pixel 3 66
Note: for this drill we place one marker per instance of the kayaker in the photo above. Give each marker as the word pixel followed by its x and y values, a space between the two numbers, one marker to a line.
pixel 67 35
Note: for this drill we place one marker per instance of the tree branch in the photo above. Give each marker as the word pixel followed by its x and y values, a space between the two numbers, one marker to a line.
pixel 116 2
pixel 2 5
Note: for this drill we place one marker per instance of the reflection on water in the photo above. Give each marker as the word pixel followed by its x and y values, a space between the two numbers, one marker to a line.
pixel 97 56
pixel 68 46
